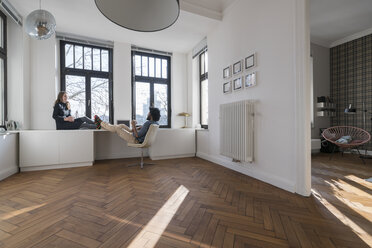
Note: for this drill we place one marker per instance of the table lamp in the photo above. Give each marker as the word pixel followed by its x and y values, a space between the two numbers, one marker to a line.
pixel 185 115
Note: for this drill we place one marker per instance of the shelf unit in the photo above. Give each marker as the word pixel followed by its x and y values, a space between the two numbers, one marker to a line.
pixel 326 109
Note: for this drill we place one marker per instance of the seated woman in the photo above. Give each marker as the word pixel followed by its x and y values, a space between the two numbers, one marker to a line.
pixel 131 135
pixel 63 118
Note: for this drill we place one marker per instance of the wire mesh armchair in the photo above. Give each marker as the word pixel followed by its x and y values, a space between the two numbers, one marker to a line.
pixel 149 139
pixel 358 137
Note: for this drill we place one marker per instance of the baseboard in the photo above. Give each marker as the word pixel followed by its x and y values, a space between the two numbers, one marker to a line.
pixel 173 156
pixel 56 166
pixel 313 151
pixel 8 172
pixel 363 152
pixel 273 180
pixel 118 156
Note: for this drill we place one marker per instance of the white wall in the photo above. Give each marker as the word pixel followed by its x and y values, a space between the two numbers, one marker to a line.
pixel 18 75
pixel 269 30
pixel 193 91
pixel 122 81
pixel 18 95
pixel 322 84
pixel 43 83
pixel 179 88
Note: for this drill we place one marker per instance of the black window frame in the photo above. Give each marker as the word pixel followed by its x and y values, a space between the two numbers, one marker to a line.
pixel 88 74
pixel 4 56
pixel 202 77
pixel 151 81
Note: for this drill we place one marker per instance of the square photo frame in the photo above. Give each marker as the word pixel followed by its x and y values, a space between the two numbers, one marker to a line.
pixel 227 87
pixel 226 72
pixel 249 62
pixel 238 83
pixel 250 80
pixel 237 67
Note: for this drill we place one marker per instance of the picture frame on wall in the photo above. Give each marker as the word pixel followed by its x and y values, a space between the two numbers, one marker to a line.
pixel 227 87
pixel 237 84
pixel 249 62
pixel 250 80
pixel 237 67
pixel 227 72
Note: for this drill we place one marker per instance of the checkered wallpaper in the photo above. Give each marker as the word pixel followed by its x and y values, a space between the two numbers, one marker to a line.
pixel 351 82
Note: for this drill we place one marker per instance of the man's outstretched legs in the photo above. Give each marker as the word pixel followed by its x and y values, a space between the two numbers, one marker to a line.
pixel 121 130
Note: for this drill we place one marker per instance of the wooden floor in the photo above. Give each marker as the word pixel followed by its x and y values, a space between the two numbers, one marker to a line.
pixel 339 184
pixel 183 203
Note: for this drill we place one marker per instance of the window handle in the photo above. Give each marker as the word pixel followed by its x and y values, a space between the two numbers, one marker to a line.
pixel 88 102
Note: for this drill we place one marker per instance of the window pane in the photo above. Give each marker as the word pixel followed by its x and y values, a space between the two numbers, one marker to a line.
pixel 75 88
pixel 142 101
pixel 96 59
pixel 204 102
pixel 151 67
pixel 100 98
pixel 144 66
pixel 137 62
pixel 78 57
pixel 87 58
pixel 2 93
pixel 164 69
pixel 202 68
pixel 206 61
pixel 158 68
pixel 161 102
pixel 105 60
pixel 69 56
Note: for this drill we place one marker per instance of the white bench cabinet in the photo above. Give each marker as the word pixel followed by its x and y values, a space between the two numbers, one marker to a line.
pixel 52 149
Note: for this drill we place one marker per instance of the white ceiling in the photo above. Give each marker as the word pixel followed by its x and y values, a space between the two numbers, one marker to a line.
pixel 330 21
pixel 81 17
pixel 333 20
pixel 214 5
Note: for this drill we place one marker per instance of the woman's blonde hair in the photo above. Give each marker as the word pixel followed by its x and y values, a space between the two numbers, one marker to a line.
pixel 59 99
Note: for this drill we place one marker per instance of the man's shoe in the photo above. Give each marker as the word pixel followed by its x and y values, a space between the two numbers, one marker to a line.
pixel 97 121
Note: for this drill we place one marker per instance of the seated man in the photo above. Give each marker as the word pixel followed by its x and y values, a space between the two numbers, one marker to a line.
pixel 134 134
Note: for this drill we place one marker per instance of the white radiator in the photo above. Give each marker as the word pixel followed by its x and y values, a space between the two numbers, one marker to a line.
pixel 237 130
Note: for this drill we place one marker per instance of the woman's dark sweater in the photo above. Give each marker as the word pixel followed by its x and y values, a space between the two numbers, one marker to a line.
pixel 60 112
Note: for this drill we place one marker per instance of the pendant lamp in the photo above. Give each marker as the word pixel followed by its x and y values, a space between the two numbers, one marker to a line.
pixel 140 15
pixel 40 24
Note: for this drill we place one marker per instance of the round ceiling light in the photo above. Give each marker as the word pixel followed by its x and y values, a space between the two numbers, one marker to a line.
pixel 140 15
pixel 40 24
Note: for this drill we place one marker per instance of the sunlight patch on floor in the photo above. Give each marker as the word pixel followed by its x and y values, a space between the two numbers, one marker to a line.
pixel 152 232
pixel 12 214
pixel 359 181
pixel 344 219
pixel 349 189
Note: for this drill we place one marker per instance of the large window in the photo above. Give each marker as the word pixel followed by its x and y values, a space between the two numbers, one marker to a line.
pixel 203 76
pixel 86 76
pixel 3 59
pixel 151 86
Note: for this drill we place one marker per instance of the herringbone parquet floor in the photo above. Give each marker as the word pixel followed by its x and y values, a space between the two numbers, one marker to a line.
pixel 339 184
pixel 176 203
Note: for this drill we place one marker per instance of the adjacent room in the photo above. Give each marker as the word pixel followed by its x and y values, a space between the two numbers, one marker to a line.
pixel 185 123
pixel 341 50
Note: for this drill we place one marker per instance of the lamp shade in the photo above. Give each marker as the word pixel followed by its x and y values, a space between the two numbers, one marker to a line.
pixel 184 114
pixel 140 15
pixel 40 24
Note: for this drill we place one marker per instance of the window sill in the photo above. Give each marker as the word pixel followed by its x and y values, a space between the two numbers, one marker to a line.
pixel 201 129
